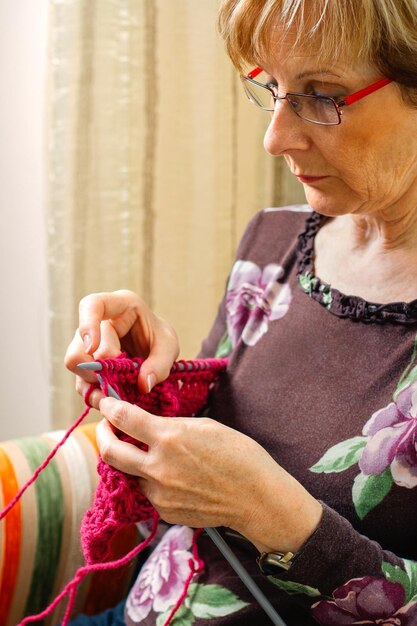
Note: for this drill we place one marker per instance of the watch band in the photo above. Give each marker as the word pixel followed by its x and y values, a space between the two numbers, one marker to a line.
pixel 271 563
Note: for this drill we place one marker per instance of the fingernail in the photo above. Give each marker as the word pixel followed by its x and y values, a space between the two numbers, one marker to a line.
pixel 87 343
pixel 151 380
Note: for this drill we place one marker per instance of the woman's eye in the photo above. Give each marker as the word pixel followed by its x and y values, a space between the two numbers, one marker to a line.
pixel 324 99
pixel 326 93
pixel 320 93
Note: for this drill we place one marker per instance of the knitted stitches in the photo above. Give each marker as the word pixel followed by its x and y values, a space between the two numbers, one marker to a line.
pixel 118 500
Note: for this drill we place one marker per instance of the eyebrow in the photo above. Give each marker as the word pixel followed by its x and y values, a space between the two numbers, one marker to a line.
pixel 316 73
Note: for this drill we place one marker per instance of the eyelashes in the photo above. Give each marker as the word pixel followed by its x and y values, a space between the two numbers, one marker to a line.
pixel 314 88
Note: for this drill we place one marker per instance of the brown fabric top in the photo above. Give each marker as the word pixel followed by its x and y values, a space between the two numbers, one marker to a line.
pixel 327 384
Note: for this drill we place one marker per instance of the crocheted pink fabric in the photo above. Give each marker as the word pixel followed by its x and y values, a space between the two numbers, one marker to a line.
pixel 118 501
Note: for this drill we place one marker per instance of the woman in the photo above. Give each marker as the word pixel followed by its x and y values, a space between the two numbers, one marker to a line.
pixel 313 431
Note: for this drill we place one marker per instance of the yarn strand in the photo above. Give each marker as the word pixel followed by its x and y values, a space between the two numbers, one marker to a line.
pixel 44 464
pixel 193 570
pixel 72 586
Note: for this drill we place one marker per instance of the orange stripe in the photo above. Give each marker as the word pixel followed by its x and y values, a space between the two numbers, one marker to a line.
pixel 12 539
pixel 90 431
pixel 29 537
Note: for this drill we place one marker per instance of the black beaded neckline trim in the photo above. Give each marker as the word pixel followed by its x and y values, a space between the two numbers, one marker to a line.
pixel 339 304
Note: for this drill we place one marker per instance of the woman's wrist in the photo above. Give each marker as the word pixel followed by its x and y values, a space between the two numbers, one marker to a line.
pixel 282 519
pixel 270 538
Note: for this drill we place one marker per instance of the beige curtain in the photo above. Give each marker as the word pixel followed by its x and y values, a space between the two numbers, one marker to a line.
pixel 156 164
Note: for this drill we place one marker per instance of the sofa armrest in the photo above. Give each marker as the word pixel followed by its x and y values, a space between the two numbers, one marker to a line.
pixel 40 537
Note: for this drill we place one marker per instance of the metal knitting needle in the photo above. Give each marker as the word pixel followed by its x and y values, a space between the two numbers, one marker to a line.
pixel 94 366
pixel 224 548
pixel 111 392
pixel 97 367
pixel 244 576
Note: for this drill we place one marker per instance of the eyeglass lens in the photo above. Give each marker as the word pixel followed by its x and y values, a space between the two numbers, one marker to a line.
pixel 321 110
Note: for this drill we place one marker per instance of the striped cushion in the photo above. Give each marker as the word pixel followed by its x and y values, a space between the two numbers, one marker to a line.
pixel 39 538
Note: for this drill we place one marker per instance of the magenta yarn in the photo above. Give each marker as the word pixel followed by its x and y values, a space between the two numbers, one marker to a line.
pixel 118 501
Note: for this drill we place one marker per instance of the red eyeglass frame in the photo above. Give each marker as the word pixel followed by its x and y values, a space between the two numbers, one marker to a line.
pixel 350 99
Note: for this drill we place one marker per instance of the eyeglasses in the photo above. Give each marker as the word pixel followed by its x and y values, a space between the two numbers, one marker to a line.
pixel 323 110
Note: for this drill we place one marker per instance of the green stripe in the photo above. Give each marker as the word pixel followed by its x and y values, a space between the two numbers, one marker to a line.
pixel 49 501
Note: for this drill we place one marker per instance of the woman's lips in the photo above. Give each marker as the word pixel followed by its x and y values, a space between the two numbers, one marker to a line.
pixel 310 179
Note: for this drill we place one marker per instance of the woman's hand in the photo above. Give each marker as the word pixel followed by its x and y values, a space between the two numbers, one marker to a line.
pixel 201 473
pixel 121 321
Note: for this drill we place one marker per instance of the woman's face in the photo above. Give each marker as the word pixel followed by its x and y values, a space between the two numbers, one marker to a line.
pixel 369 161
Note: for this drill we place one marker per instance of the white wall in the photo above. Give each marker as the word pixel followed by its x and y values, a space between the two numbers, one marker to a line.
pixel 23 295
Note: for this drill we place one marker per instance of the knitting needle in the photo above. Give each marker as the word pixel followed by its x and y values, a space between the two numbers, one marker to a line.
pixel 244 576
pixel 97 367
pixel 226 551
pixel 111 392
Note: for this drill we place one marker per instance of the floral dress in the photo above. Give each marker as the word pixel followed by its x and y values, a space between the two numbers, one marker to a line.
pixel 327 383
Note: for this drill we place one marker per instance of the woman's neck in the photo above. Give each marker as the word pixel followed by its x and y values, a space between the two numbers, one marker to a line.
pixel 382 232
pixel 372 256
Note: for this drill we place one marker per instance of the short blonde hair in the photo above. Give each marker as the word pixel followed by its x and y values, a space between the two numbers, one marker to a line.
pixel 382 33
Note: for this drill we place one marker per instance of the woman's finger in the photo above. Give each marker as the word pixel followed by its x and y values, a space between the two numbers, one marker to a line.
pixel 81 386
pixel 164 350
pixel 75 354
pixel 119 454
pixel 109 342
pixel 96 307
pixel 132 420
pixel 109 347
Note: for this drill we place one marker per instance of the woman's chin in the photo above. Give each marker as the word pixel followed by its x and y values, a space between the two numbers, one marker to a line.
pixel 328 204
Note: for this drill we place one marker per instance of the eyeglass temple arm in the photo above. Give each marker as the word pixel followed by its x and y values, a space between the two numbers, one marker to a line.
pixel 254 73
pixel 358 95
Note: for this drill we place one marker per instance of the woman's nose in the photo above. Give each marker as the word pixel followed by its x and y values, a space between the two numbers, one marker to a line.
pixel 286 131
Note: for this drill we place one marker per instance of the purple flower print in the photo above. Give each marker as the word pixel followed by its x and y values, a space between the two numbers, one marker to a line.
pixel 366 601
pixel 254 298
pixel 161 579
pixel 393 438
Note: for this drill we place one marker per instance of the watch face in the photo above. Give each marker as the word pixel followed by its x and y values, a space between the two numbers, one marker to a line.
pixel 271 563
pixel 268 569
